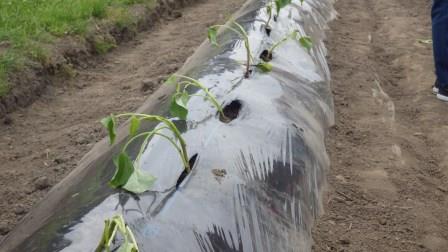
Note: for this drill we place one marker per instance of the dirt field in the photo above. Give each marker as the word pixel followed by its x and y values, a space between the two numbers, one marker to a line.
pixel 388 186
pixel 43 143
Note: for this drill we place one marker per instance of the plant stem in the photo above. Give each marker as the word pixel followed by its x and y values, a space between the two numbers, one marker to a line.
pixel 269 10
pixel 248 51
pixel 278 43
pixel 245 37
pixel 209 96
pixel 131 235
pixel 145 142
pixel 284 39
pixel 170 125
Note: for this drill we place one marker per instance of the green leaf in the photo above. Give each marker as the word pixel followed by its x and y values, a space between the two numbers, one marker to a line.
pixel 139 182
pixel 109 124
pixel 306 42
pixel 134 126
pixel 294 34
pixel 172 80
pixel 184 98
pixel 127 246
pixel 212 35
pixel 130 178
pixel 124 170
pixel 178 107
pixel 264 67
pixel 281 4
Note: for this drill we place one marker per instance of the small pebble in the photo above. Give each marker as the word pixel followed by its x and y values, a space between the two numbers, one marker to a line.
pixel 344 241
pixel 4 229
pixel 58 160
pixel 19 209
pixel 41 183
pixel 176 14
pixel 148 85
pixel 7 120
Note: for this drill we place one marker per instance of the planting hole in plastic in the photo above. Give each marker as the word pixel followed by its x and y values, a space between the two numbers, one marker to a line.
pixel 266 55
pixel 231 111
pixel 184 173
pixel 268 30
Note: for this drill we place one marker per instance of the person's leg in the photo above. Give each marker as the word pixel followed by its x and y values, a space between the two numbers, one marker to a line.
pixel 440 43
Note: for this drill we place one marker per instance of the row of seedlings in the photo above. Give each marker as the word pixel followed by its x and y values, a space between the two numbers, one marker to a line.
pixel 128 176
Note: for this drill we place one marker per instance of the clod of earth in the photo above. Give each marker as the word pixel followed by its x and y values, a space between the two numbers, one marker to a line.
pixel 41 183
pixel 4 229
pixel 219 172
pixel 19 209
pixel 148 85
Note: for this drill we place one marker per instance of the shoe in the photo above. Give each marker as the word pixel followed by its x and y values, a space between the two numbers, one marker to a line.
pixel 435 88
pixel 443 94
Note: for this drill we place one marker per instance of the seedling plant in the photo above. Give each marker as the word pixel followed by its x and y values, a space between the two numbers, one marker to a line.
pixel 238 29
pixel 304 41
pixel 128 175
pixel 113 226
pixel 280 4
pixel 181 97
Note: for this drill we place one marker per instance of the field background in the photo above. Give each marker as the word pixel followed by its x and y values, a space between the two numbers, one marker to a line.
pixel 28 27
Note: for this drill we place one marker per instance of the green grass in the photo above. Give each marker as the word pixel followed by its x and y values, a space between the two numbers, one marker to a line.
pixel 25 25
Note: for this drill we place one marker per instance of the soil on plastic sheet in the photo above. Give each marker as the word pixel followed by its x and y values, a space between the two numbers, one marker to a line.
pixel 388 184
pixel 41 144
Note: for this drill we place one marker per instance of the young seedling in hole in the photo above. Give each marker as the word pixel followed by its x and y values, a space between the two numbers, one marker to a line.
pixel 212 36
pixel 111 227
pixel 128 176
pixel 304 41
pixel 179 100
pixel 267 25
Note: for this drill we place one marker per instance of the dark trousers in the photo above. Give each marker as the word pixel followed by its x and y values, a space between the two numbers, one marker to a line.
pixel 440 41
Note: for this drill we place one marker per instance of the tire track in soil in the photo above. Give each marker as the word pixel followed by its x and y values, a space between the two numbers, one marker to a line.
pixel 41 144
pixel 388 185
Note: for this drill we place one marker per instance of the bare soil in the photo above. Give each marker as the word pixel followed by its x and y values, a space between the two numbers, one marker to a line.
pixel 388 185
pixel 41 144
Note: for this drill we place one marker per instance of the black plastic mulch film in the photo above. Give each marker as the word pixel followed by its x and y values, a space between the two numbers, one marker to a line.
pixel 273 155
